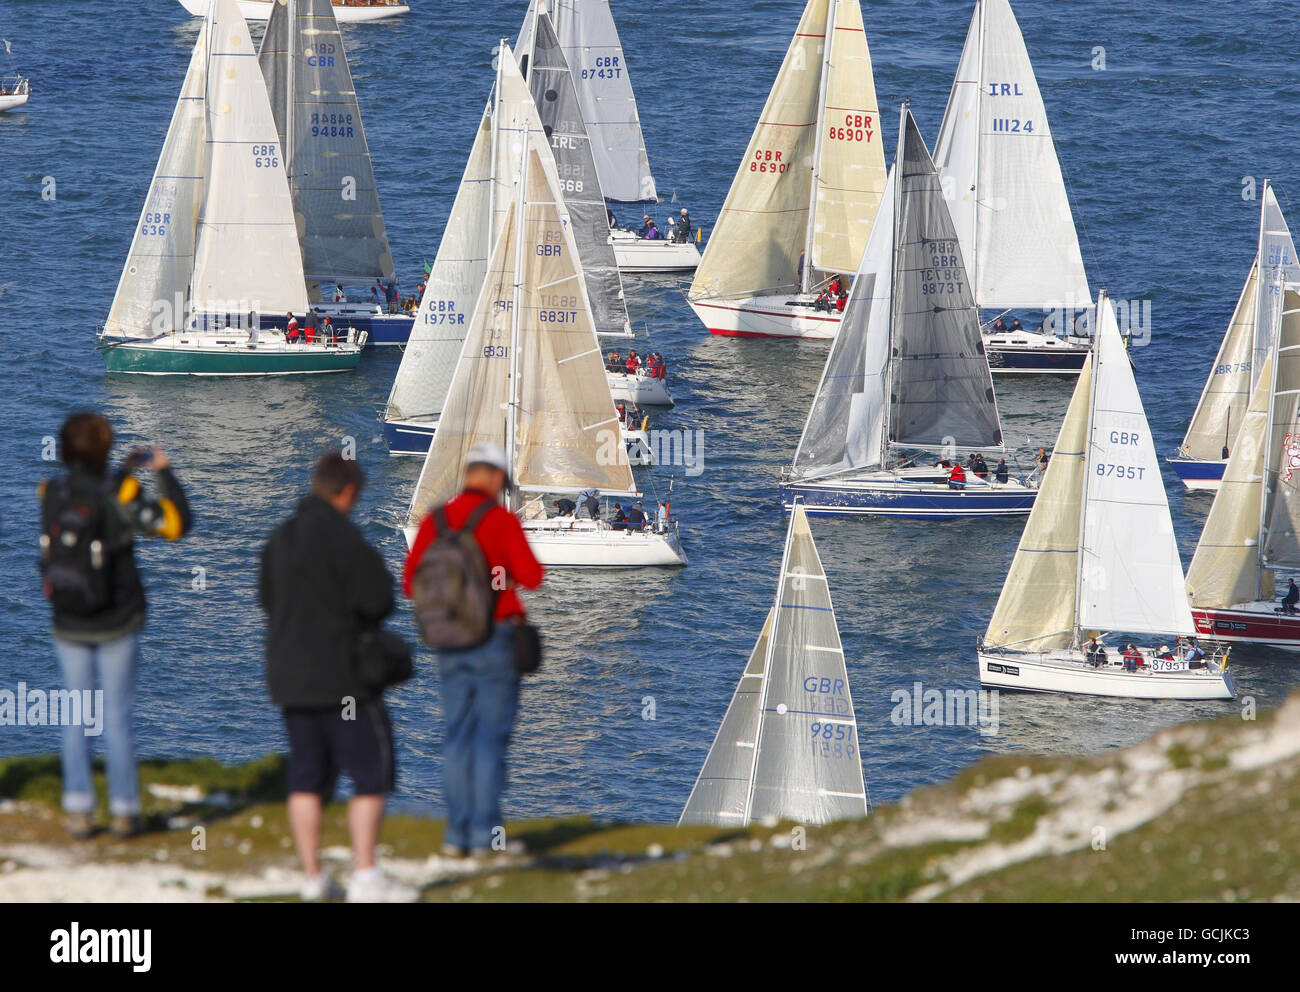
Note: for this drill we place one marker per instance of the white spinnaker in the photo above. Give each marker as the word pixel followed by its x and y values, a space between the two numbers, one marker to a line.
pixel 1131 577
pixel 762 226
pixel 1222 406
pixel 851 167
pixel 845 430
pixel 600 72
pixel 161 257
pixel 246 255
pixel 458 271
pixel 1026 250
pixel 1225 568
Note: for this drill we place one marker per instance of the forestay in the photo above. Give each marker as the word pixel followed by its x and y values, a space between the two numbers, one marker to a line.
pixel 600 72
pixel 1009 200
pixel 161 258
pixel 246 254
pixel 792 714
pixel 1130 576
pixel 551 83
pixel 340 223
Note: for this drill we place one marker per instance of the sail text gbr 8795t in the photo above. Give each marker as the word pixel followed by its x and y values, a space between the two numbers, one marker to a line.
pixel 216 245
pixel 806 194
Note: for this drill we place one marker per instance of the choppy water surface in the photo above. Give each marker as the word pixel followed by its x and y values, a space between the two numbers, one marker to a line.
pixel 1154 148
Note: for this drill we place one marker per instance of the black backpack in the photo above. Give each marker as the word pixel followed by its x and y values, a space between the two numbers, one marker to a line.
pixel 452 588
pixel 76 560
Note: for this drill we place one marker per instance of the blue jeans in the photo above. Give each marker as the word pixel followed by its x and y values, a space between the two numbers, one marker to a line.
pixel 114 662
pixel 480 694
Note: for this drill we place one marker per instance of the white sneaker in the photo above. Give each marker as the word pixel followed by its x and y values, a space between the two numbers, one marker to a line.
pixel 320 888
pixel 372 885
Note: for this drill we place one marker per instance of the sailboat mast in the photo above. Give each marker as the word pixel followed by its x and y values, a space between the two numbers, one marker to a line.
pixel 885 427
pixel 291 56
pixel 806 281
pixel 974 261
pixel 1087 449
pixel 512 406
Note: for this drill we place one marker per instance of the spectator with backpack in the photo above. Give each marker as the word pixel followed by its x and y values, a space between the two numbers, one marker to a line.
pixel 467 558
pixel 319 644
pixel 89 521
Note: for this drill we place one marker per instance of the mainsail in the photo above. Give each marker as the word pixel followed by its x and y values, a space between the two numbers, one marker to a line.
pixel 996 153
pixel 551 83
pixel 461 266
pixel 1280 539
pixel 595 56
pixel 161 257
pixel 1130 576
pixel 1223 401
pixel 530 377
pixel 246 254
pixel 814 171
pixel 340 223
pixel 788 746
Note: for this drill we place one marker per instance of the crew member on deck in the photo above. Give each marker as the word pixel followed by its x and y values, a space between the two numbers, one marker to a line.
pixel 682 233
pixel 646 225
pixel 957 476
pixel 1292 597
pixel 1002 473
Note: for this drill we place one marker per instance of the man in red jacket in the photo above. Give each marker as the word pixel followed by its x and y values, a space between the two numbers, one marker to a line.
pixel 480 685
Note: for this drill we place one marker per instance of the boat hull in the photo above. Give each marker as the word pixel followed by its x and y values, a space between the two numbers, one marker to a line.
pixel 1198 475
pixel 260 10
pixel 641 389
pixel 173 357
pixel 1250 623
pixel 890 495
pixel 12 101
pixel 789 316
pixel 1026 353
pixel 1067 672
pixel 409 437
pixel 566 542
pixel 638 255
pixel 382 329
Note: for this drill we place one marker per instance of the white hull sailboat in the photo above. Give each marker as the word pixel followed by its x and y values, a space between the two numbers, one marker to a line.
pixel 15 91
pixel 345 11
pixel 805 197
pixel 637 254
pixel 1253 524
pixel 907 373
pixel 216 235
pixel 1212 432
pixel 788 745
pixel 639 387
pixel 1008 198
pixel 1098 555
pixel 531 377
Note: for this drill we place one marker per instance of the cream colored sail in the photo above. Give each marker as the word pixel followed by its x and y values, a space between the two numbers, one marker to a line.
pixel 850 173
pixel 1036 609
pixel 1225 566
pixel 1223 402
pixel 247 256
pixel 1281 537
pixel 161 257
pixel 756 240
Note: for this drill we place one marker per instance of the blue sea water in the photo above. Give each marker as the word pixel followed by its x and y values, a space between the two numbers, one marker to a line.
pixel 1193 101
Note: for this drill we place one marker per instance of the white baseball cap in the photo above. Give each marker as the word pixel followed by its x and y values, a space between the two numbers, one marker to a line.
pixel 487 453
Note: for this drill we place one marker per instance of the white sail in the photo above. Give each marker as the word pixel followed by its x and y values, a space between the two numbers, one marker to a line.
pixel 340 223
pixel 1009 200
pixel 161 257
pixel 531 376
pixel 1223 401
pixel 806 764
pixel 1281 536
pixel 1130 576
pixel 845 430
pixel 1037 608
pixel 247 256
pixel 600 72
pixel 765 221
pixel 461 266
pixel 1225 566
pixel 1278 268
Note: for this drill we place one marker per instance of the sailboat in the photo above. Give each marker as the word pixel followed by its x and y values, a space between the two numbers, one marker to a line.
pixel 805 197
pixel 1098 553
pixel 1008 198
pixel 906 373
pixel 1255 518
pixel 327 159
pixel 346 11
pixel 788 745
pixel 1213 429
pixel 594 52
pixel 15 88
pixel 531 378
pixel 216 245
pixel 542 61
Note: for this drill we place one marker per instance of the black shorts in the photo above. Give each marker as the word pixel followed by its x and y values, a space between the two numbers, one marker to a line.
pixel 322 744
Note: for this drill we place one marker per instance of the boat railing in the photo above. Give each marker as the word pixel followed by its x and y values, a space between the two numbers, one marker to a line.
pixel 15 85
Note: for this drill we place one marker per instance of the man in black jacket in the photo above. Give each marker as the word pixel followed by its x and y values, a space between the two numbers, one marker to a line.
pixel 321 586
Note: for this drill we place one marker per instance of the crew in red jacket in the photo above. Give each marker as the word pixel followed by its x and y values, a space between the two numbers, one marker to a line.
pixel 633 363
pixel 957 477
